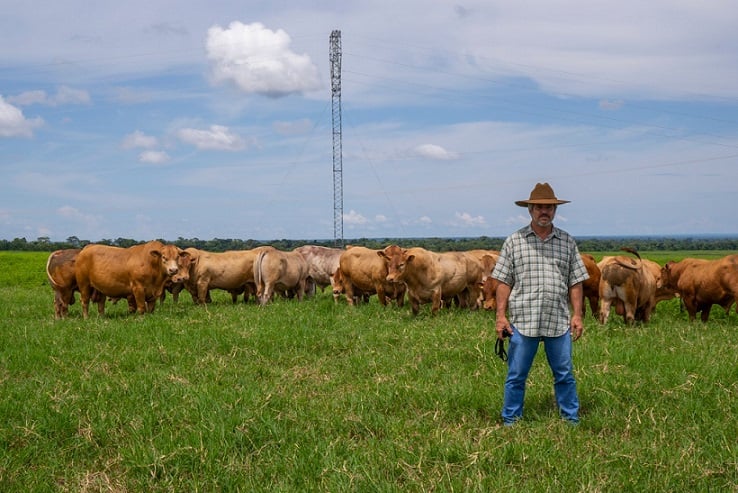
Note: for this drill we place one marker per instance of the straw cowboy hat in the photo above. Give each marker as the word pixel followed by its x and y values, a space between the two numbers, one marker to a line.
pixel 541 194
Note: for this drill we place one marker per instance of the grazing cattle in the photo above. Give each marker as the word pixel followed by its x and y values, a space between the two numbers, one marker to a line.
pixel 61 273
pixel 278 271
pixel 632 282
pixel 702 283
pixel 591 287
pixel 322 264
pixel 361 273
pixel 434 277
pixel 137 273
pixel 231 271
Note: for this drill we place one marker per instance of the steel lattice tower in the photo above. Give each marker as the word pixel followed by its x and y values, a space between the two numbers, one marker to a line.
pixel 335 61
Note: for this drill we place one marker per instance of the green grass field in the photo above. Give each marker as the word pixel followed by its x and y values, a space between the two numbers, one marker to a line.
pixel 314 396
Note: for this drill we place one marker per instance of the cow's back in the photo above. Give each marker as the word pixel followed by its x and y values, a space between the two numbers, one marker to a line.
pixel 322 262
pixel 363 268
pixel 105 268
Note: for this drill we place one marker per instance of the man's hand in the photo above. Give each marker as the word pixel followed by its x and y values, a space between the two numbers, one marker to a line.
pixel 577 327
pixel 503 327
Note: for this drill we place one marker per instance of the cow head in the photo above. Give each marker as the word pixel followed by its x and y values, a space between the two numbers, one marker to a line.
pixel 666 280
pixel 337 283
pixel 167 256
pixel 184 262
pixel 395 259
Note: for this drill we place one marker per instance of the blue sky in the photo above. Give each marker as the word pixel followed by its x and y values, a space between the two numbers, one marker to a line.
pixel 168 119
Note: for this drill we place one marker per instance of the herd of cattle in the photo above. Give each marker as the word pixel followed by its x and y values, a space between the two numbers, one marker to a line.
pixel 142 274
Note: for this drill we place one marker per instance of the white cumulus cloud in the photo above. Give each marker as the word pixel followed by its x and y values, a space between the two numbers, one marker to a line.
pixel 432 151
pixel 467 219
pixel 139 139
pixel 353 218
pixel 14 124
pixel 217 137
pixel 259 60
pixel 153 157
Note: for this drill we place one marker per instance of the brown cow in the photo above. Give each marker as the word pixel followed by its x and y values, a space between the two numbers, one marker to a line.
pixel 278 271
pixel 702 283
pixel 61 273
pixel 137 273
pixel 231 271
pixel 632 282
pixel 489 293
pixel 488 286
pixel 322 264
pixel 434 277
pixel 361 273
pixel 591 287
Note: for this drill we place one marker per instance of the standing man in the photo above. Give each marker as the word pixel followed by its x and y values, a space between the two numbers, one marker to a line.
pixel 540 273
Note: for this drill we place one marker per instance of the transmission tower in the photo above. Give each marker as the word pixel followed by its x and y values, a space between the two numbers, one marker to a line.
pixel 335 61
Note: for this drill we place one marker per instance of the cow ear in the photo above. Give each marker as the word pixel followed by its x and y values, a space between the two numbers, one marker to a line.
pixel 410 257
pixel 382 254
pixel 156 254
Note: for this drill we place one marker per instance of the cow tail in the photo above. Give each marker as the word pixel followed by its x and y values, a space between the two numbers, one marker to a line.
pixel 54 284
pixel 258 277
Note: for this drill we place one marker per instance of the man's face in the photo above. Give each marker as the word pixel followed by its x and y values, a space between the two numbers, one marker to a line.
pixel 542 214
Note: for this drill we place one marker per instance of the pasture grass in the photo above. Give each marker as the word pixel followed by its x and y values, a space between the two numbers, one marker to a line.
pixel 315 396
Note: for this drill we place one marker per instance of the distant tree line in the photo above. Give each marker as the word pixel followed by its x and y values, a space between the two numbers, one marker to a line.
pixel 586 244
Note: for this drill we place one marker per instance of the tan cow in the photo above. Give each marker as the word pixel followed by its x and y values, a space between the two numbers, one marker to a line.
pixel 702 283
pixel 361 273
pixel 488 258
pixel 632 282
pixel 281 272
pixel 137 273
pixel 231 271
pixel 322 264
pixel 61 273
pixel 434 277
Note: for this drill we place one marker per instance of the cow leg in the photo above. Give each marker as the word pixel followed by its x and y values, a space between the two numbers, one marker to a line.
pixel 266 295
pixel 301 289
pixel 85 292
pixel 437 301
pixel 705 316
pixel 58 305
pixel 691 306
pixel 415 304
pixel 605 304
pixel 99 299
pixel 131 304
pixel 382 295
pixel 647 311
pixel 348 288
pixel 140 296
pixel 176 289
pixel 202 292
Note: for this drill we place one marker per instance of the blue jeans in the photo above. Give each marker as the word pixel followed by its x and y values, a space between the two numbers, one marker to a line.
pixel 521 352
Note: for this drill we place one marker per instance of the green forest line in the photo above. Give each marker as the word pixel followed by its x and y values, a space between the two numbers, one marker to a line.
pixel 586 244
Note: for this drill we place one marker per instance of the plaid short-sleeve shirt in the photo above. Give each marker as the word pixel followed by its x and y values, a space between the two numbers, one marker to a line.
pixel 540 273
